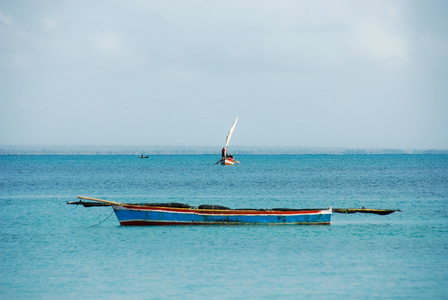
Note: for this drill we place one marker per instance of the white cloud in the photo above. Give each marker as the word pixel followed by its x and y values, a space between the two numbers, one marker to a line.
pixel 289 35
pixel 382 43
pixel 106 43
pixel 19 61
pixel 6 19
pixel 49 24
pixel 435 47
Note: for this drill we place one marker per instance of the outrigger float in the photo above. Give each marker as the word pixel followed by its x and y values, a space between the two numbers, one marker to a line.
pixel 138 214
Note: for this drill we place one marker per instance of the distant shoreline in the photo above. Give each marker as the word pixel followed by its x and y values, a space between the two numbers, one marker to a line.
pixel 199 150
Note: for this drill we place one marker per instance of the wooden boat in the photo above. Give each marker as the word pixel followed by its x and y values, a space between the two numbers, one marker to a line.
pixel 227 158
pixel 183 214
pixel 228 161
pixel 137 214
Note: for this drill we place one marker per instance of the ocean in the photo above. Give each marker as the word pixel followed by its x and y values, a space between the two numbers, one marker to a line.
pixel 51 250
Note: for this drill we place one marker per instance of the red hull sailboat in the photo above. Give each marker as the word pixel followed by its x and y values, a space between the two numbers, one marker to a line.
pixel 227 158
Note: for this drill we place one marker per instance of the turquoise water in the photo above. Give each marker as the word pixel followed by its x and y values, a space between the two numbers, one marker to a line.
pixel 51 250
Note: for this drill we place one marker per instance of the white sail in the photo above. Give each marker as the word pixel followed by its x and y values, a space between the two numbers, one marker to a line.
pixel 229 135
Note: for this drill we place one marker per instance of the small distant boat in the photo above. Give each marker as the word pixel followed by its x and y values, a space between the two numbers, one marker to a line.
pixel 143 156
pixel 227 158
pixel 228 161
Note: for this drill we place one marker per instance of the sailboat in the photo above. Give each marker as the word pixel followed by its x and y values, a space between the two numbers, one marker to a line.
pixel 227 158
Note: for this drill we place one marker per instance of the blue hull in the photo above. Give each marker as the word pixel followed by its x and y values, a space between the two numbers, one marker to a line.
pixel 136 215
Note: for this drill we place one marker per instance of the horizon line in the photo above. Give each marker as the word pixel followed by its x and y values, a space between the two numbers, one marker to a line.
pixel 198 150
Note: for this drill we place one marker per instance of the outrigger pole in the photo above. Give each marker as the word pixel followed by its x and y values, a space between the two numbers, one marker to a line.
pixel 90 204
pixel 365 211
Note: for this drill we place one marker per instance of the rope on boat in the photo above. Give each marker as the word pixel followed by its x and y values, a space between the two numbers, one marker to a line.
pixel 103 220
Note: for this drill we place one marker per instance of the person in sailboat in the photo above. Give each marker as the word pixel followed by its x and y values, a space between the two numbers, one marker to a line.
pixel 224 153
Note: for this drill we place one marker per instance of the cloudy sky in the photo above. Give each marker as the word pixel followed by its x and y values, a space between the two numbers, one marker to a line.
pixel 354 74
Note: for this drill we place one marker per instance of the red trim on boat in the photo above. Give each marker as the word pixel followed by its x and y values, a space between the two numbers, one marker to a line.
pixel 221 212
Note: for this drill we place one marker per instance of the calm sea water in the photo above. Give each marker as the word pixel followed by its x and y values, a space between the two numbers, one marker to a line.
pixel 51 250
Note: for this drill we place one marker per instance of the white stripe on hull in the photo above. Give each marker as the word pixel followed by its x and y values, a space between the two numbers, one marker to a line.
pixel 227 162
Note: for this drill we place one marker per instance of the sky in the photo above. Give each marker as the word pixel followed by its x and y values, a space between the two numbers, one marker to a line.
pixel 350 74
